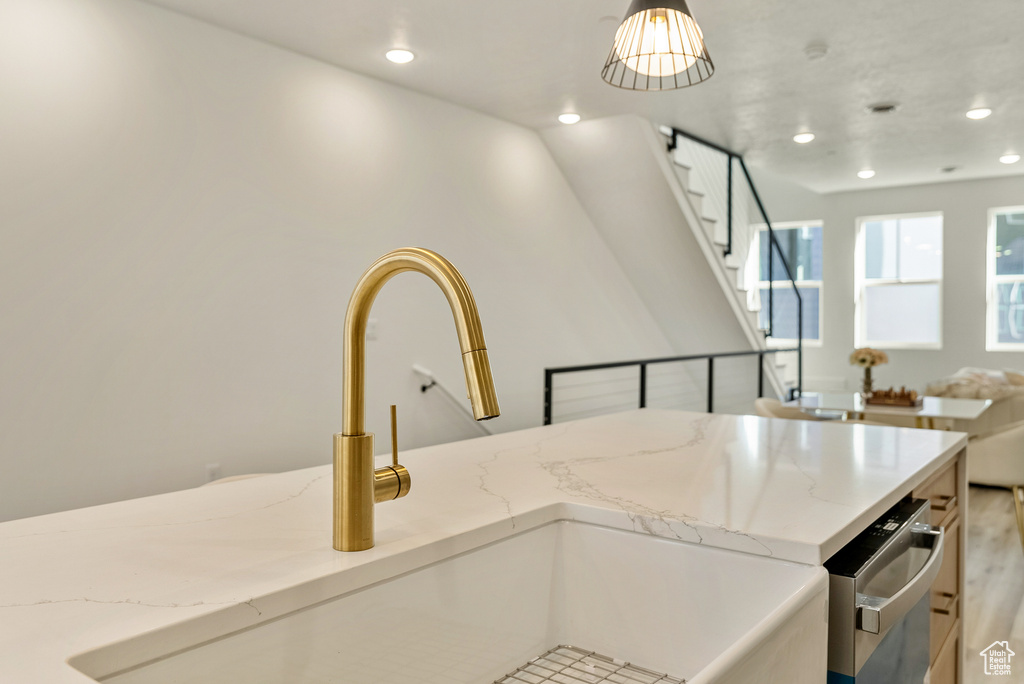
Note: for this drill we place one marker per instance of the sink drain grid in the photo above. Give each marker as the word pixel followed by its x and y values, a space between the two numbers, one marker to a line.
pixel 571 665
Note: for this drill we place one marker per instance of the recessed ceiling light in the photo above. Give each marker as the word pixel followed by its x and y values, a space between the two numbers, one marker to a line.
pixel 399 56
pixel 979 113
pixel 803 138
pixel 865 174
pixel 1010 158
pixel 569 118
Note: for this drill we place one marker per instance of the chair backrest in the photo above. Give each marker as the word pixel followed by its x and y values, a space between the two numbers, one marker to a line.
pixel 773 408
pixel 997 458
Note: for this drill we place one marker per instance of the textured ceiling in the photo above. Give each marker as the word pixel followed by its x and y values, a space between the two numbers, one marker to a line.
pixel 526 61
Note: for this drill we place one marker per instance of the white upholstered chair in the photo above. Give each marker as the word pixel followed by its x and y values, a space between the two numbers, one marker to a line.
pixel 997 459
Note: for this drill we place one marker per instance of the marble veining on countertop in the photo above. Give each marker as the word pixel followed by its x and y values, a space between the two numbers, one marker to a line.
pixel 792 490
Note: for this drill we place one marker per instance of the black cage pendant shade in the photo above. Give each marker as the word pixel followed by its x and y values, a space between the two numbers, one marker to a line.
pixel 658 47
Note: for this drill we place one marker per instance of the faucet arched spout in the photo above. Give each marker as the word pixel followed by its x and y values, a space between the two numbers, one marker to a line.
pixel 357 485
pixel 479 383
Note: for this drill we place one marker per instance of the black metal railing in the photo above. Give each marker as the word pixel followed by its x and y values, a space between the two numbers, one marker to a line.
pixel 642 364
pixel 773 244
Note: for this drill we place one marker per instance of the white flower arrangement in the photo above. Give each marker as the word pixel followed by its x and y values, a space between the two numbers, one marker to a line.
pixel 866 357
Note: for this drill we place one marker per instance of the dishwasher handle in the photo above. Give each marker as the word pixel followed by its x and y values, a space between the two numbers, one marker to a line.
pixel 876 614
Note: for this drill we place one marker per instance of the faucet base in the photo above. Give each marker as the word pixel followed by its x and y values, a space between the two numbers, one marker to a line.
pixel 353 492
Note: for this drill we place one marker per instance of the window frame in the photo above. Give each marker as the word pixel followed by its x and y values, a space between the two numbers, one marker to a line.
pixel 784 281
pixel 992 282
pixel 861 283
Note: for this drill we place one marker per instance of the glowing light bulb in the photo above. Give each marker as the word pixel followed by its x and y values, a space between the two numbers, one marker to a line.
pixel 659 42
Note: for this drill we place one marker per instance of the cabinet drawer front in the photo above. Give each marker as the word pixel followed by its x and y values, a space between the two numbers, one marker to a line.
pixel 945 590
pixel 945 666
pixel 942 622
pixel 940 490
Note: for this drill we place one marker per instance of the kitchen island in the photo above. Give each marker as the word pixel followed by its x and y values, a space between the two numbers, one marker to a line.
pixel 794 491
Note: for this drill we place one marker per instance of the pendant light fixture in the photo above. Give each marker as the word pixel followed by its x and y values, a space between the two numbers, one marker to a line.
pixel 657 47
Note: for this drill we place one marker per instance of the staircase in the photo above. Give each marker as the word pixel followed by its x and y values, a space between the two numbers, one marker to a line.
pixel 665 216
pixel 715 192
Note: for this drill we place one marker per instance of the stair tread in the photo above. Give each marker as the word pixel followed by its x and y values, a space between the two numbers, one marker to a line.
pixel 781 369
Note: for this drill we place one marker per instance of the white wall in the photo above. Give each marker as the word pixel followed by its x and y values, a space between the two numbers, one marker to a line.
pixel 611 165
pixel 619 169
pixel 965 208
pixel 185 212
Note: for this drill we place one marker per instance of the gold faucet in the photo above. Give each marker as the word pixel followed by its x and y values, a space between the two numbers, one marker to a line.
pixel 357 485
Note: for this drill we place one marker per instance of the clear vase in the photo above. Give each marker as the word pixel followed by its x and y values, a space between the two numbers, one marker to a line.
pixel 867 388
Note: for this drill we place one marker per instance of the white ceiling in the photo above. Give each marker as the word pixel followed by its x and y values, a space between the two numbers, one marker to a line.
pixel 526 61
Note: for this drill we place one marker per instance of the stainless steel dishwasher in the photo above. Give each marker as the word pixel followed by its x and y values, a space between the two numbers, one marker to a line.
pixel 879 599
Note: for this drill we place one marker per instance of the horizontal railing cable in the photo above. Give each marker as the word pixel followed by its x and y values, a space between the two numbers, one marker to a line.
pixel 642 364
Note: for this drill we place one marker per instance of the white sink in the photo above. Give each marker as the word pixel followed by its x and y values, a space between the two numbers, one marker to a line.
pixel 696 613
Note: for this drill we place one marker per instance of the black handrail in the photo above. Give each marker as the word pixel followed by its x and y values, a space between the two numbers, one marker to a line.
pixel 549 373
pixel 697 139
pixel 772 244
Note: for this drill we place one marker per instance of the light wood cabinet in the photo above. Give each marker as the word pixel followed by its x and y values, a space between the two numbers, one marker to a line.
pixel 946 665
pixel 947 491
pixel 946 597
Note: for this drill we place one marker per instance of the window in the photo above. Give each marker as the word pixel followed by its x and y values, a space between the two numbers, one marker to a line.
pixel 801 245
pixel 899 282
pixel 1006 279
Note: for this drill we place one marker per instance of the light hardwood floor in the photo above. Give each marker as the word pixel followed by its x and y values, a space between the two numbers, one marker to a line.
pixel 994 606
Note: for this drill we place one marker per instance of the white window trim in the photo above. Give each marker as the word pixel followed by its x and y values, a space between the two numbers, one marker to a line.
pixel 993 281
pixel 775 342
pixel 860 285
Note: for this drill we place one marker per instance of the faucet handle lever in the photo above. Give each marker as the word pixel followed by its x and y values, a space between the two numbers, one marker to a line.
pixel 394 435
pixel 393 481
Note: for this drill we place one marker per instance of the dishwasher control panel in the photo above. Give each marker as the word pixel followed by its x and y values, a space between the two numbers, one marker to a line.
pixel 849 560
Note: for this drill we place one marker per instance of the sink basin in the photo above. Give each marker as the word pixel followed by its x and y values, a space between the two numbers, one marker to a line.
pixel 696 613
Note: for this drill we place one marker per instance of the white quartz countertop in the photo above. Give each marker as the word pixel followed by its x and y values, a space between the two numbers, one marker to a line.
pixel 793 490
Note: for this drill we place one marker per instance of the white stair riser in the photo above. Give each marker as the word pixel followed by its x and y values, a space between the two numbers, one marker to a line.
pixel 708 197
